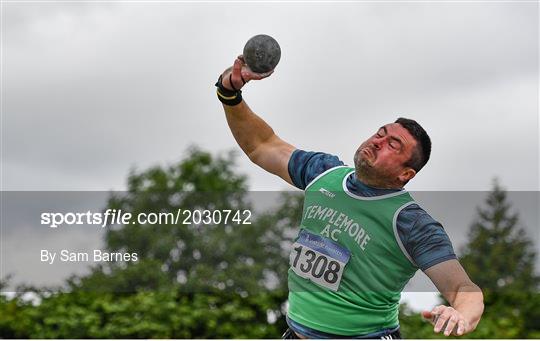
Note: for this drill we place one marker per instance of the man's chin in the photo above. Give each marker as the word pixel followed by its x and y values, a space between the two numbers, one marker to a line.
pixel 364 168
pixel 366 162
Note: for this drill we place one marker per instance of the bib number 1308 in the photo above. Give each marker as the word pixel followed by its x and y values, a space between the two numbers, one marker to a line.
pixel 319 259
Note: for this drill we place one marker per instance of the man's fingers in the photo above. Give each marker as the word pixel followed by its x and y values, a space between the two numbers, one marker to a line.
pixel 266 74
pixel 438 309
pixel 247 75
pixel 427 315
pixel 241 73
pixel 460 328
pixel 447 320
pixel 236 77
pixel 258 76
pixel 238 63
pixel 439 325
pixel 452 321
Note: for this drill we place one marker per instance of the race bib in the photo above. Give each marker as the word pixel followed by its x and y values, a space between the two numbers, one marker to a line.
pixel 319 259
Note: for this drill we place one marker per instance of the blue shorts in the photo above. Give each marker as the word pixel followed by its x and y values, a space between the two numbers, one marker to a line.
pixel 295 327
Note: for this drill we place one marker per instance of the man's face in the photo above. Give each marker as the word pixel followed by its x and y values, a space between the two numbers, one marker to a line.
pixel 381 159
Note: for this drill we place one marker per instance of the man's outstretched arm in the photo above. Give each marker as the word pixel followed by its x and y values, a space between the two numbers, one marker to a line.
pixel 256 138
pixel 465 298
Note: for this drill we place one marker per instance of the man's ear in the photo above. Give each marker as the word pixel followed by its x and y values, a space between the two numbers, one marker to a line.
pixel 407 174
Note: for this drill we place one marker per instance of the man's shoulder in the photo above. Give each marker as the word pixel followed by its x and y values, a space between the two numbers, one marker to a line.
pixel 304 166
pixel 414 215
pixel 423 237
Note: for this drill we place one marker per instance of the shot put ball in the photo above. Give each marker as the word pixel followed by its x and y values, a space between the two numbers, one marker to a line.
pixel 262 53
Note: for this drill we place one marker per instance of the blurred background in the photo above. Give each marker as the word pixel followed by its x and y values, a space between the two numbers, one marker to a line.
pixel 112 105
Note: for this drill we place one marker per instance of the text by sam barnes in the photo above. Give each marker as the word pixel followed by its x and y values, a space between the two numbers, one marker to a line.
pixel 95 256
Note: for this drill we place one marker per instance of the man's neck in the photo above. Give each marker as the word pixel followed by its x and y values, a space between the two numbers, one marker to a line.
pixel 376 183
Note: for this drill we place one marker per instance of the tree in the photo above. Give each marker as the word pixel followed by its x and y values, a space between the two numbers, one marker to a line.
pixel 193 280
pixel 499 256
pixel 163 314
pixel 189 254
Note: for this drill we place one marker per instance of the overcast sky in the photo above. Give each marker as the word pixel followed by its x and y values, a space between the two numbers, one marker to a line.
pixel 91 90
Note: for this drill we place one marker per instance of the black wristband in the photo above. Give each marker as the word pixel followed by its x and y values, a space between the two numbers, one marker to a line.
pixel 231 83
pixel 226 96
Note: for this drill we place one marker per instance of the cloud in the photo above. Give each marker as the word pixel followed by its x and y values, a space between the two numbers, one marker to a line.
pixel 91 90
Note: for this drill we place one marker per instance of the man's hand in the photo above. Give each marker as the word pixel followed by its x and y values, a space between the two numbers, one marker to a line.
pixel 447 320
pixel 235 77
pixel 465 298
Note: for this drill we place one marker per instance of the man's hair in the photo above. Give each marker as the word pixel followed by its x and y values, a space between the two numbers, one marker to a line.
pixel 420 155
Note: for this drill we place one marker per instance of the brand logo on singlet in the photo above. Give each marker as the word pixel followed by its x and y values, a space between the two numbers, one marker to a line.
pixel 327 193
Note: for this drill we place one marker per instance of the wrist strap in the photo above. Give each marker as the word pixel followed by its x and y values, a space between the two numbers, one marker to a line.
pixel 231 83
pixel 226 96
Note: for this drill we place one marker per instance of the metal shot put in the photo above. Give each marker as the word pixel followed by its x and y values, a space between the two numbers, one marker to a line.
pixel 262 53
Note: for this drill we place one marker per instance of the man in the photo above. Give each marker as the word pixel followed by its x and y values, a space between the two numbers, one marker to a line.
pixel 362 236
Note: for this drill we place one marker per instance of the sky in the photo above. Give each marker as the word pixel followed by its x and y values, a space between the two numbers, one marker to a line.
pixel 92 90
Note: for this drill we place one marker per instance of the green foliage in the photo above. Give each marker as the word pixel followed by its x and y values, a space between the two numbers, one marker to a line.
pixel 191 281
pixel 499 257
pixel 197 257
pixel 229 280
pixel 141 315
